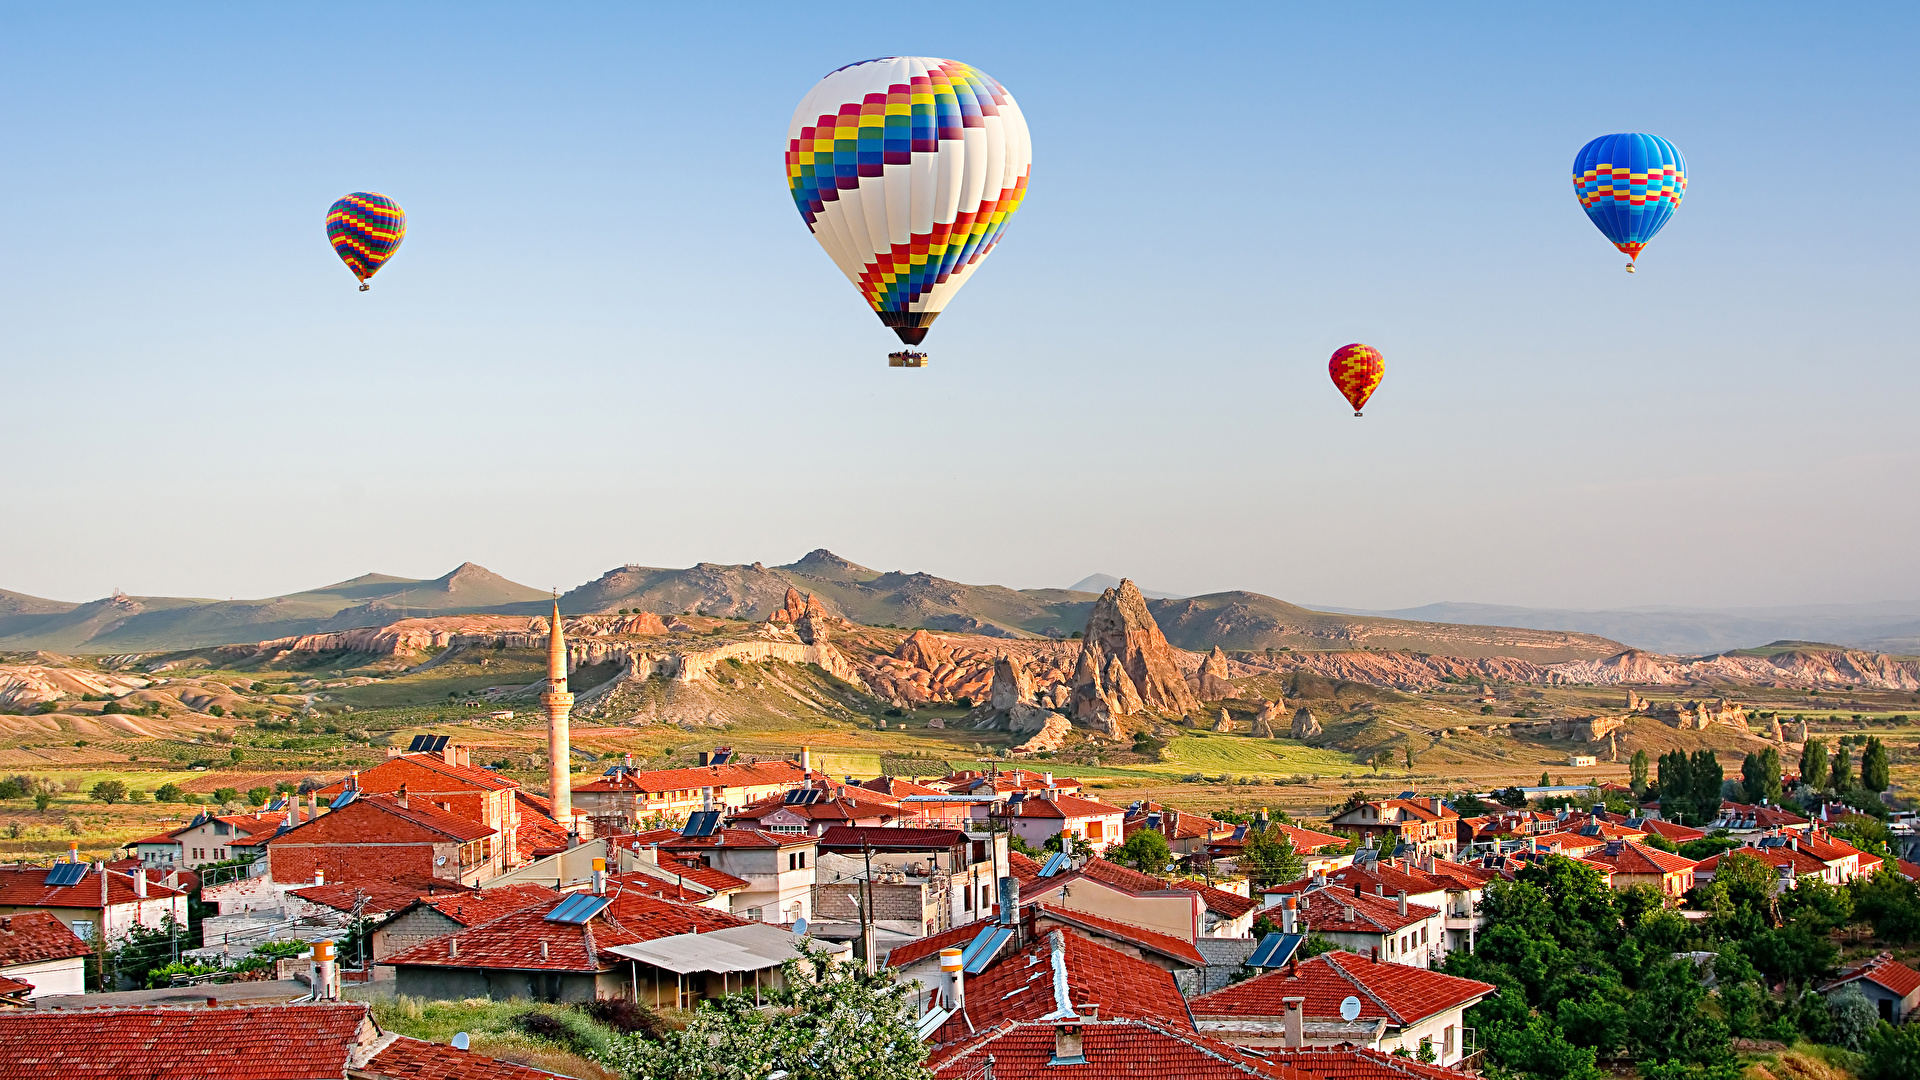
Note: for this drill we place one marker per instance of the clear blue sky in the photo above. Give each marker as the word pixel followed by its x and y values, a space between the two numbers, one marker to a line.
pixel 609 338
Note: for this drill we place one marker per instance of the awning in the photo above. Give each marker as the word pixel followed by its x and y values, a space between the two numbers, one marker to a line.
pixel 737 948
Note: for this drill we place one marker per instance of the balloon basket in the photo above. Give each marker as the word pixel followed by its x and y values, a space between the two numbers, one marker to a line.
pixel 907 359
pixel 1356 414
pixel 1631 269
pixel 364 287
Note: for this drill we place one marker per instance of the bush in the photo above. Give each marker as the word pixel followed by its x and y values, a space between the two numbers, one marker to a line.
pixel 1854 1018
pixel 628 1017
pixel 108 791
pixel 259 796
pixel 281 950
pixel 168 792
pixel 12 788
pixel 225 794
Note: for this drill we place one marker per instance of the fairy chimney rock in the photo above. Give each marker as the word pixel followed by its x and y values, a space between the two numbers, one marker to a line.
pixel 1011 684
pixel 1125 665
pixel 1223 725
pixel 924 651
pixel 1214 676
pixel 1304 725
pixel 1264 720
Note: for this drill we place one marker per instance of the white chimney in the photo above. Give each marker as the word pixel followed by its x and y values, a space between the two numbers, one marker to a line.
pixel 1402 901
pixel 1294 1021
pixel 953 979
pixel 325 987
pixel 599 877
pixel 1048 777
pixel 1289 914
pixel 140 884
pixel 319 876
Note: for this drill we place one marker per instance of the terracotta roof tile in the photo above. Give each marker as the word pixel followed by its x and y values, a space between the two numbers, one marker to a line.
pixel 513 942
pixel 1024 986
pixel 261 1042
pixel 391 773
pixel 1219 901
pixel 851 837
pixel 762 774
pixel 1024 868
pixel 1327 910
pixel 1883 970
pixel 671 840
pixel 1152 940
pixel 1402 994
pixel 26 886
pixel 485 905
pixel 382 896
pixel 955 937
pixel 378 819
pixel 1060 806
pixel 1634 858
pixel 12 987
pixel 705 876
pixel 33 936
pixel 412 1059
pixel 1145 1049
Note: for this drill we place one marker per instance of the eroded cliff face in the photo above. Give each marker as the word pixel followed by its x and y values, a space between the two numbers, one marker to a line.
pixel 1126 667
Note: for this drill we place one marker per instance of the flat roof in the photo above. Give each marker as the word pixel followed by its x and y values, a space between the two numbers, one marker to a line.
pixel 737 948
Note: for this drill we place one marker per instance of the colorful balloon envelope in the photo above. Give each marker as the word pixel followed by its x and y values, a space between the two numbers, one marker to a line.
pixel 1356 370
pixel 906 169
pixel 1629 185
pixel 365 229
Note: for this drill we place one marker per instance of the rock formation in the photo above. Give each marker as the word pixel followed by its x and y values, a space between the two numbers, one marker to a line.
pixel 1304 725
pixel 1224 724
pixel 1024 718
pixel 1264 720
pixel 1011 684
pixel 795 607
pixel 1213 679
pixel 1635 703
pixel 812 629
pixel 1052 736
pixel 1126 666
pixel 924 651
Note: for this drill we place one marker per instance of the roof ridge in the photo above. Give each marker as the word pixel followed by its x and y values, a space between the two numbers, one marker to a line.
pixel 1350 977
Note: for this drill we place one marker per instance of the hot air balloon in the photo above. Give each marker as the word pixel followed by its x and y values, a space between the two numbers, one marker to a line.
pixel 906 169
pixel 1630 184
pixel 1356 370
pixel 365 229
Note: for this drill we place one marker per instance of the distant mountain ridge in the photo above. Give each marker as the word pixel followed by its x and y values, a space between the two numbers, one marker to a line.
pixel 1890 626
pixel 1234 620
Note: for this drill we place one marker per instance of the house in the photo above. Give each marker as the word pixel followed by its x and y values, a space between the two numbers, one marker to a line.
pixel 626 799
pixel 1037 818
pixel 1370 923
pixel 1000 784
pixel 211 838
pixel 777 868
pixel 1893 987
pixel 553 951
pixel 158 852
pixel 1127 897
pixel 447 781
pixel 1455 888
pixel 1055 972
pixel 1636 864
pixel 928 807
pixel 1846 861
pixel 1186 833
pixel 89 899
pixel 382 834
pixel 1097 1048
pixel 1227 914
pixel 679 970
pixel 1165 951
pixel 430 918
pixel 968 864
pixel 1428 826
pixel 39 950
pixel 1400 1008
pixel 816 807
pixel 233 1042
pixel 1743 820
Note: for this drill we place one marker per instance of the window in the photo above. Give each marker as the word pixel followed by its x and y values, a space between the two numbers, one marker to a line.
pixel 1403 944
pixel 1446 1042
pixel 1423 935
pixel 753 915
pixel 1095 830
pixel 966 899
pixel 83 929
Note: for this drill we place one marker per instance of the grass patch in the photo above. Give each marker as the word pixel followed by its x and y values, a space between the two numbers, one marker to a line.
pixel 500 1029
pixel 1250 756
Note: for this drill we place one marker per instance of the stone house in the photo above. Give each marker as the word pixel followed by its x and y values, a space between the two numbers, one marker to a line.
pixel 446 781
pixel 379 835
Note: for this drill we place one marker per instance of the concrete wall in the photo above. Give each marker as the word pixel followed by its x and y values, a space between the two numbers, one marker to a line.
pixel 48 977
pixel 417 927
pixel 456 984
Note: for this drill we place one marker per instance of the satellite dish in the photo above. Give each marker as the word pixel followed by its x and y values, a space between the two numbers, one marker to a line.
pixel 799 928
pixel 441 861
pixel 460 1041
pixel 1350 1008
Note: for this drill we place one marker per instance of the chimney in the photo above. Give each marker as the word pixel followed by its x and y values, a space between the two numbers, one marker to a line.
pixel 1376 954
pixel 450 754
pixel 1401 903
pixel 213 1003
pixel 325 988
pixel 73 851
pixel 706 798
pixel 1346 913
pixel 1379 888
pixel 140 884
pixel 1009 901
pixel 1358 890
pixel 953 979
pixel 293 811
pixel 1433 805
pixel 401 795
pixel 704 758
pixel 1320 879
pixel 453 948
pixel 353 780
pixel 313 804
pixel 1048 777
pixel 319 876
pixel 1289 914
pixel 545 953
pixel 1066 844
pixel 599 877
pixel 1067 1049
pixel 1294 1021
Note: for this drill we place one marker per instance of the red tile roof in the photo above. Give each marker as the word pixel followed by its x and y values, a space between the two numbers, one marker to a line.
pixel 1327 910
pixel 1764 817
pixel 1140 936
pixel 12 987
pixel 485 905
pixel 1027 985
pixel 1907 870
pixel 1061 806
pixel 1678 834
pixel 156 839
pixel 1635 858
pixel 1883 970
pixel 705 876
pixel 1144 1049
pixel 671 840
pixel 763 774
pixel 1219 901
pixel 391 773
pixel 650 917
pixel 844 803
pixel 955 937
pixel 260 1042
pixel 852 837
pixel 382 894
pixel 33 936
pixel 513 942
pixel 412 1059
pixel 379 819
pixel 898 788
pixel 1775 857
pixel 1402 994
pixel 26 886
pixel 1024 869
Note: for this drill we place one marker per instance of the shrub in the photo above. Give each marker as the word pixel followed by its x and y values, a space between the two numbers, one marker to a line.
pixel 167 792
pixel 108 791
pixel 1854 1018
pixel 225 794
pixel 628 1017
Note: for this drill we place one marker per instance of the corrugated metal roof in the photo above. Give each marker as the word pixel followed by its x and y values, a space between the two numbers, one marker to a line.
pixel 738 948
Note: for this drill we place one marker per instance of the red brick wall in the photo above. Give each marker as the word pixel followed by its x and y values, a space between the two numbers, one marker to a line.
pixel 346 862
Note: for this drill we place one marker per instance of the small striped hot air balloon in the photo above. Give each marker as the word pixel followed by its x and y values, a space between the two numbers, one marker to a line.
pixel 1629 185
pixel 1356 370
pixel 365 229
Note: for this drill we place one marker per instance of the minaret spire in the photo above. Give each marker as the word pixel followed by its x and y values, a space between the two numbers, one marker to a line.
pixel 558 702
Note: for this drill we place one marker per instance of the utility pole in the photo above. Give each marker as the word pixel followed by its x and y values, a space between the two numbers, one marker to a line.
pixel 866 909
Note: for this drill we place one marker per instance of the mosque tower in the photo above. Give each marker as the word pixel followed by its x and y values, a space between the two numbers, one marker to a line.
pixel 558 702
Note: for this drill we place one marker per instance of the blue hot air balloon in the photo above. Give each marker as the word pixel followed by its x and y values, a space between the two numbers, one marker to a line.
pixel 1629 184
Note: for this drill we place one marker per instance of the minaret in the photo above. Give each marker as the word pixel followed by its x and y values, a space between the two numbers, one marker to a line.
pixel 559 705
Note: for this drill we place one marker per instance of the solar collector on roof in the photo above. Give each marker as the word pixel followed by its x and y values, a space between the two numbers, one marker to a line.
pixel 64 874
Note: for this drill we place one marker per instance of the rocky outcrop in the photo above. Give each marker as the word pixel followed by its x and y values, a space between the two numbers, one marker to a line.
pixel 796 607
pixel 1126 666
pixel 1212 683
pixel 924 651
pixel 1011 684
pixel 1265 720
pixel 812 629
pixel 1051 736
pixel 1223 725
pixel 1024 718
pixel 1304 725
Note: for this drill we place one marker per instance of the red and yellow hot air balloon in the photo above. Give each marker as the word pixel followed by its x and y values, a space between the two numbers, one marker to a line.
pixel 1356 370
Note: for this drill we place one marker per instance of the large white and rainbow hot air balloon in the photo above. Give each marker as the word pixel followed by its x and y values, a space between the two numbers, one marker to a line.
pixel 906 169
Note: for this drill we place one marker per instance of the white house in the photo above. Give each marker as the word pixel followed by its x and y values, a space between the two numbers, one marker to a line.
pixel 36 948
pixel 1037 818
pixel 97 901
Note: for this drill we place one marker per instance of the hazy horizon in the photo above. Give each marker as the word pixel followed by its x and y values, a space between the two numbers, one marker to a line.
pixel 608 338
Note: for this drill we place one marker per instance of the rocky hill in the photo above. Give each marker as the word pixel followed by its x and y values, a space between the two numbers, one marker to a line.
pixel 1249 621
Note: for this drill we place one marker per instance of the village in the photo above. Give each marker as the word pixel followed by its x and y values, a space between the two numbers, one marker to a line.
pixel 1028 922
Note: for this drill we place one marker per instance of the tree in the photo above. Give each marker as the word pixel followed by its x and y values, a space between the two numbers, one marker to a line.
pixel 167 792
pixel 225 794
pixel 108 791
pixel 831 1021
pixel 1893 1053
pixel 1511 797
pixel 1708 779
pixel 1380 759
pixel 1889 901
pixel 1676 787
pixel 42 800
pixel 1544 780
pixel 1840 774
pixel 1146 851
pixel 237 755
pixel 1854 1017
pixel 1760 776
pixel 1813 765
pixel 1269 858
pixel 1637 774
pixel 1408 751
pixel 259 796
pixel 1873 766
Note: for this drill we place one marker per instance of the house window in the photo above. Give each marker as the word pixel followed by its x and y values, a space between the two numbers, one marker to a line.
pixel 753 915
pixel 1423 935
pixel 1446 1042
pixel 83 929
pixel 1095 830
